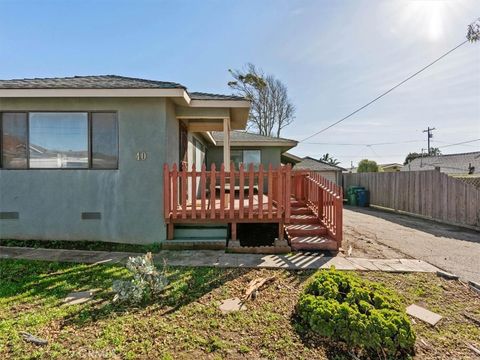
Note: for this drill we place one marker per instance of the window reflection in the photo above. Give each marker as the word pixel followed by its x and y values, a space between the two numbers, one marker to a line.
pixel 14 140
pixel 58 140
pixel 104 141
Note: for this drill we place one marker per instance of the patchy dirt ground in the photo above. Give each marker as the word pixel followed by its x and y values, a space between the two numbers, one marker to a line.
pixel 379 234
pixel 185 323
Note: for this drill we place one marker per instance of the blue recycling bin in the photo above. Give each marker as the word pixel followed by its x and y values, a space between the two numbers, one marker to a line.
pixel 363 198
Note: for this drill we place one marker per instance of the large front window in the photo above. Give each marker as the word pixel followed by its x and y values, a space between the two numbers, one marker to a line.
pixel 59 140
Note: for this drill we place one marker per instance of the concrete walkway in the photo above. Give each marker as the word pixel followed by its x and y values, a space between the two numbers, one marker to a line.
pixel 221 259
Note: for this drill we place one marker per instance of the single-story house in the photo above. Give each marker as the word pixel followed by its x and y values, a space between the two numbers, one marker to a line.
pixel 451 164
pixel 249 148
pixel 111 158
pixel 331 172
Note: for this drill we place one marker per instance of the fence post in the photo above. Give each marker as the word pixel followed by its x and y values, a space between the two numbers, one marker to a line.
pixel 166 192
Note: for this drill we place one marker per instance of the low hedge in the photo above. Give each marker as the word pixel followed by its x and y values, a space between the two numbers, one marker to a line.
pixel 363 314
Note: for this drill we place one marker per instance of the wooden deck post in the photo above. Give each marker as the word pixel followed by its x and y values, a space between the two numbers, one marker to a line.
pixel 280 230
pixel 226 157
pixel 170 231
pixel 234 231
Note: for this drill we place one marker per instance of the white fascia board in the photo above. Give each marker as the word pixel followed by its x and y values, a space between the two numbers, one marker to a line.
pixel 220 103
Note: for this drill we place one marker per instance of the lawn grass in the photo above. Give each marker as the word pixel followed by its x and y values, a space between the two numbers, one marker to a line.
pixel 186 323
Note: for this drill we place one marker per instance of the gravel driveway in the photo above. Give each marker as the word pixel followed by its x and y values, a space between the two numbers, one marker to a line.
pixel 380 234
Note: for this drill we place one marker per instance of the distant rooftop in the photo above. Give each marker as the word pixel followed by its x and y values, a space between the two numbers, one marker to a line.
pixel 106 82
pixel 450 163
pixel 309 163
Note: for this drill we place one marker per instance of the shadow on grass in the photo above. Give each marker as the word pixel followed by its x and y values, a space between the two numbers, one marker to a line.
pixel 46 284
pixel 186 285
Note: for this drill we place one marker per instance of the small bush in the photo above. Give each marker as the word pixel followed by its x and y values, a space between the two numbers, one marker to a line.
pixel 146 284
pixel 363 314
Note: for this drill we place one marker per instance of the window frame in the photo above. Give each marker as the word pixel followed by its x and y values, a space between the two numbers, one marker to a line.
pixel 89 138
pixel 242 150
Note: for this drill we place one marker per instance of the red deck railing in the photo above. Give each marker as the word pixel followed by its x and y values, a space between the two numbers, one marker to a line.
pixel 249 195
pixel 225 196
pixel 324 198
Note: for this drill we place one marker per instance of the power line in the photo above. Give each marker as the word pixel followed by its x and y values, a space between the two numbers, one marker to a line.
pixel 386 92
pixel 364 144
pixel 460 143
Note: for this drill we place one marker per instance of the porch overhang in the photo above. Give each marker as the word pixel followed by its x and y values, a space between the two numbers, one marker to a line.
pixel 209 118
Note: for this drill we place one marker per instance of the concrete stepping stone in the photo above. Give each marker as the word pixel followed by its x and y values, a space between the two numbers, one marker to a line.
pixel 423 314
pixel 231 305
pixel 76 298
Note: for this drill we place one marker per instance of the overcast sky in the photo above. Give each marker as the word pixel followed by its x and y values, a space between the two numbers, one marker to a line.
pixel 334 56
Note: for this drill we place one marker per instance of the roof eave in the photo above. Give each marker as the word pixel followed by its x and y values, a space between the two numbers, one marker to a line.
pixel 285 144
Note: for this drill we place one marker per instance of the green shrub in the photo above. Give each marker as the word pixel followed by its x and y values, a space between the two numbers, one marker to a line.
pixel 147 283
pixel 363 314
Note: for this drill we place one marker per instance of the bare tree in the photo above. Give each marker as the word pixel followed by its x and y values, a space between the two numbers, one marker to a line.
pixel 271 108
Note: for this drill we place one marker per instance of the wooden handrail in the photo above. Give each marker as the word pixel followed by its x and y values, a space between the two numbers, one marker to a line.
pixel 325 199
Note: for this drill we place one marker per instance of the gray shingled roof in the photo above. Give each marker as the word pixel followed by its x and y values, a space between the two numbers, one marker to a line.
pixel 207 96
pixel 243 136
pixel 450 164
pixel 88 82
pixel 106 82
pixel 309 163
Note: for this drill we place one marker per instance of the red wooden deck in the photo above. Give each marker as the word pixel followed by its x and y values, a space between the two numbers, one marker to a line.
pixel 271 195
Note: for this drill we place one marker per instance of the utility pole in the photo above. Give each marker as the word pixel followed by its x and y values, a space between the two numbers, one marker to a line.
pixel 429 136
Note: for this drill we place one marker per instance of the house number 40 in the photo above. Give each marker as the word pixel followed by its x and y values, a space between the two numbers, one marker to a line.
pixel 141 156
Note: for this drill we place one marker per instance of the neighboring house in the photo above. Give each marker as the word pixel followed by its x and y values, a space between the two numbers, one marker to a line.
pixel 289 158
pixel 110 158
pixel 330 172
pixel 248 148
pixel 452 164
pixel 394 167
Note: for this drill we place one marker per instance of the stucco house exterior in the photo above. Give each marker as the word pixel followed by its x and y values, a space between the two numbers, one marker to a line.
pixel 248 148
pixel 128 160
pixel 82 157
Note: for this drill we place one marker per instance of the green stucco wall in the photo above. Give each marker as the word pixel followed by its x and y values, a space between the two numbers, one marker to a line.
pixel 130 199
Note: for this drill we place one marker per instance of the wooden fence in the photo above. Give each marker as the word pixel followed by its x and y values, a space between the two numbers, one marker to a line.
pixel 430 194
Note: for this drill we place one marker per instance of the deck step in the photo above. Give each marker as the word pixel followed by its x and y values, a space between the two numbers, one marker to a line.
pixel 297 203
pixel 195 244
pixel 304 219
pixel 294 230
pixel 309 243
pixel 200 232
pixel 301 211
